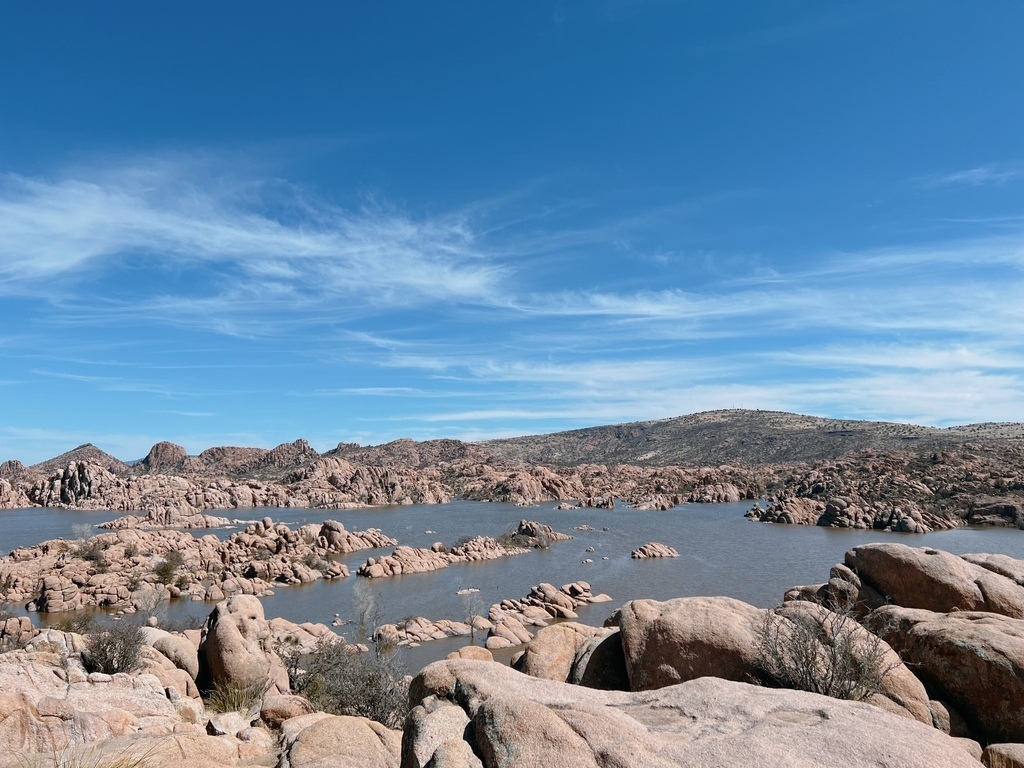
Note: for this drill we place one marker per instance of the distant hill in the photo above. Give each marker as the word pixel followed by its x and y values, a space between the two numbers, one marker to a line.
pixel 736 436
pixel 87 452
pixel 713 438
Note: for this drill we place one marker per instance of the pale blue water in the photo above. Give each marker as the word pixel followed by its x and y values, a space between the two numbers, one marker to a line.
pixel 721 553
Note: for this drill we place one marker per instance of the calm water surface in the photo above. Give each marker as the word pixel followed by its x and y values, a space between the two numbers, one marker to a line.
pixel 721 553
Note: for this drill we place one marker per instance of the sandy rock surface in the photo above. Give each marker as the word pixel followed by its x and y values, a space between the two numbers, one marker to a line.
pixel 522 721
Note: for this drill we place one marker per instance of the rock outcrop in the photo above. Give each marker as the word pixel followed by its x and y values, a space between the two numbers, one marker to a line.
pixel 578 654
pixel 404 560
pixel 236 648
pixel 677 640
pixel 510 619
pixel 653 549
pixel 12 497
pixel 469 708
pixel 133 569
pixel 922 577
pixel 49 702
pixel 790 511
pixel 506 624
pixel 973 660
pixel 337 741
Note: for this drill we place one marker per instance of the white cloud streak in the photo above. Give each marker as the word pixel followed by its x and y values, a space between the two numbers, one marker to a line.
pixel 927 332
pixel 70 227
pixel 982 175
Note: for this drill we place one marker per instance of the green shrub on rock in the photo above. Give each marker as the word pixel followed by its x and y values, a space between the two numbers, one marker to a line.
pixel 167 570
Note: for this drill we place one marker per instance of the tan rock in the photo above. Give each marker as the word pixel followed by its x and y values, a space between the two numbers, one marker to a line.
pixel 277 708
pixel 973 660
pixel 683 639
pixel 475 652
pixel 1003 756
pixel 236 646
pixel 933 580
pixel 708 722
pixel 338 741
pixel 564 652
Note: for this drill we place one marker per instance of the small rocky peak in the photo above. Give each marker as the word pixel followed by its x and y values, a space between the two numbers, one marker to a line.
pixel 164 455
pixel 11 468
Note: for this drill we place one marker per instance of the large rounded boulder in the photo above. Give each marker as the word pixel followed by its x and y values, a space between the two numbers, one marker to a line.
pixel 237 647
pixel 678 640
pixel 465 709
pixel 922 577
pixel 974 660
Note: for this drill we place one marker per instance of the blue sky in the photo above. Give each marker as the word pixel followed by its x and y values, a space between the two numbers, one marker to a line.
pixel 245 223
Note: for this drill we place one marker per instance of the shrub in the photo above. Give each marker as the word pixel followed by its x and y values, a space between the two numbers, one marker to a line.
pixel 338 679
pixel 182 623
pixel 311 560
pixel 517 541
pixel 117 648
pixel 91 550
pixel 81 623
pixel 822 652
pixel 88 757
pixel 167 570
pixel 237 695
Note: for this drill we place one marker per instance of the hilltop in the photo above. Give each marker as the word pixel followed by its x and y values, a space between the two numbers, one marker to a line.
pixel 743 437
pixel 735 437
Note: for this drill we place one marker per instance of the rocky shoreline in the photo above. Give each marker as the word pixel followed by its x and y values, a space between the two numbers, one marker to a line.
pixel 131 569
pixel 682 682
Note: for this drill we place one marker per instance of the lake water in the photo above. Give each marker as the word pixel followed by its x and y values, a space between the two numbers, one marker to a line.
pixel 721 553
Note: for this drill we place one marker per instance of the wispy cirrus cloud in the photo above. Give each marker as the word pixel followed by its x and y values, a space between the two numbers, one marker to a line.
pixel 982 175
pixel 273 240
pixel 112 383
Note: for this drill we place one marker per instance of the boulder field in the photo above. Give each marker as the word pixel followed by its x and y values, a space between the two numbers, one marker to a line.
pixel 684 682
pixel 135 569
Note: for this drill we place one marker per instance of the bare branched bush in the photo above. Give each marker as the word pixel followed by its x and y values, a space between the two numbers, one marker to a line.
pixel 117 648
pixel 814 649
pixel 338 679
